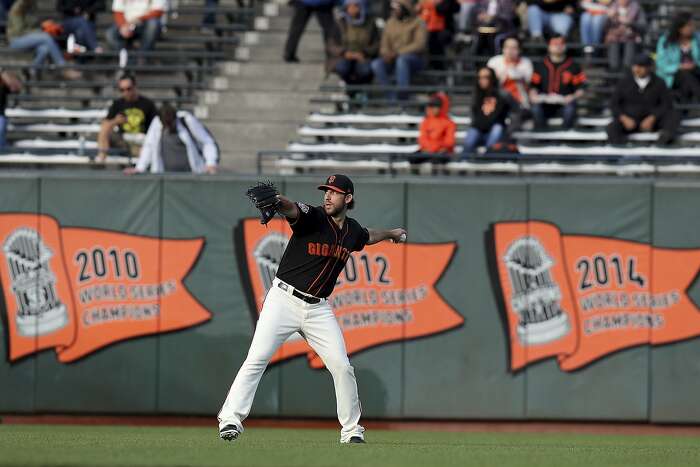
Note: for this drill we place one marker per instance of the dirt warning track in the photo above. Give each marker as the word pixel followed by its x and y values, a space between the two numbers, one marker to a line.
pixel 415 425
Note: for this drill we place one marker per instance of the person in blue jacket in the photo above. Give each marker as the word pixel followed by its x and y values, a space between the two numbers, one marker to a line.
pixel 303 9
pixel 678 57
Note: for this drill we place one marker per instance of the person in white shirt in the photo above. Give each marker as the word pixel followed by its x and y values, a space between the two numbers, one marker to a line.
pixel 514 74
pixel 136 20
pixel 177 142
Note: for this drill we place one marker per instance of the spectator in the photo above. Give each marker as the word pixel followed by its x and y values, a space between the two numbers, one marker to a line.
pixel 678 56
pixel 209 17
pixel 494 20
pixel 437 130
pixel 489 112
pixel 625 23
pixel 402 47
pixel 438 17
pixel 592 24
pixel 210 9
pixel 359 43
pixel 177 142
pixel 514 74
pixel 136 20
pixel 381 9
pixel 5 6
pixel 557 83
pixel 642 102
pixel 127 117
pixel 303 9
pixel 9 83
pixel 555 16
pixel 465 15
pixel 76 21
pixel 24 32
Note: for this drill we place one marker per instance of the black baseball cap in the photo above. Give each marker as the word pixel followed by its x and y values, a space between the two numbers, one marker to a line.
pixel 643 59
pixel 339 183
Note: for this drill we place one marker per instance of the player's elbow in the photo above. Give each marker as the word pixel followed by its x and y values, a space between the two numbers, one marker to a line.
pixel 287 208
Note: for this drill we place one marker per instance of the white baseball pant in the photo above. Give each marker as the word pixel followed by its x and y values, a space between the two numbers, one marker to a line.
pixel 282 315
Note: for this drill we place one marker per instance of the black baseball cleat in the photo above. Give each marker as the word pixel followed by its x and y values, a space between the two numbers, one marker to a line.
pixel 357 439
pixel 229 433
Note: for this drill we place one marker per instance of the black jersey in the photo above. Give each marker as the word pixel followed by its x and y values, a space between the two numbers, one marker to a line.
pixel 318 250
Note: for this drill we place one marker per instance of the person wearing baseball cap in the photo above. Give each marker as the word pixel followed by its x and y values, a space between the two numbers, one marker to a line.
pixel 323 238
pixel 338 182
pixel 643 103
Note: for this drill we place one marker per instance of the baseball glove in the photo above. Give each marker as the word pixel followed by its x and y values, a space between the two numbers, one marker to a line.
pixel 264 196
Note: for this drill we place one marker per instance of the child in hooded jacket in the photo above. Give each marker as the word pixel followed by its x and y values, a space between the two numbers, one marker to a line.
pixel 437 130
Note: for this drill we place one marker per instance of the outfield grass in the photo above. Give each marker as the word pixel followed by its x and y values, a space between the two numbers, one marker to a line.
pixel 117 445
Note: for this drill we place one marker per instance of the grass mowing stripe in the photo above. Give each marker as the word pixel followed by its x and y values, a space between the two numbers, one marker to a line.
pixel 34 445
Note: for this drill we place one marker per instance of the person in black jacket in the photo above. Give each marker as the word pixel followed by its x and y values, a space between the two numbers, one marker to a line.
pixel 303 9
pixel 9 83
pixel 77 20
pixel 642 102
pixel 557 82
pixel 493 21
pixel 489 113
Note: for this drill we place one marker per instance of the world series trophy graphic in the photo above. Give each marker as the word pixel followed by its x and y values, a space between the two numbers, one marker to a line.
pixel 39 310
pixel 268 254
pixel 536 297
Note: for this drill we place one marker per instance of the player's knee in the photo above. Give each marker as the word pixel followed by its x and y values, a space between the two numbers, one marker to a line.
pixel 256 362
pixel 340 367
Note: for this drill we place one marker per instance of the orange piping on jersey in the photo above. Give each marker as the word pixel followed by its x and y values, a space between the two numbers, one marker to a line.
pixel 338 245
pixel 330 258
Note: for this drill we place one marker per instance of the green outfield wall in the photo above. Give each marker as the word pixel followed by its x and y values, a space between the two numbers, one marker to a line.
pixel 520 299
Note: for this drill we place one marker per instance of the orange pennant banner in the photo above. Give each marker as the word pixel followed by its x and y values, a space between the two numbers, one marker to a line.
pixel 579 298
pixel 78 290
pixel 386 292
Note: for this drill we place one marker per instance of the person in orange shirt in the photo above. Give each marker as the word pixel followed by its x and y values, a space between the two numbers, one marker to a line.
pixel 437 131
pixel 438 18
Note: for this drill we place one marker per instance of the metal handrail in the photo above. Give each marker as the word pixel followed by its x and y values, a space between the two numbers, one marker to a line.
pixel 486 158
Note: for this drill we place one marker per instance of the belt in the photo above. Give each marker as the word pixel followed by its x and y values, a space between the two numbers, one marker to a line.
pixel 284 286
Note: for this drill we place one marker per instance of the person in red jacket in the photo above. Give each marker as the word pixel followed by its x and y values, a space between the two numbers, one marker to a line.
pixel 437 131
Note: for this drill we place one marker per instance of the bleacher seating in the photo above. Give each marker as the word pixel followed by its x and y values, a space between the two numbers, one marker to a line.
pixel 53 122
pixel 358 128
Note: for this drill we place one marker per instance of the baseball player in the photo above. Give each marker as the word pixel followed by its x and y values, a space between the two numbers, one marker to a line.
pixel 323 237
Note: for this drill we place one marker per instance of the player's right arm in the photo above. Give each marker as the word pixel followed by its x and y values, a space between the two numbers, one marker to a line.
pixel 378 235
pixel 288 208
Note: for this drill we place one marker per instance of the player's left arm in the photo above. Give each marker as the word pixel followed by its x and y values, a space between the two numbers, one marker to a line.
pixel 395 235
pixel 288 208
